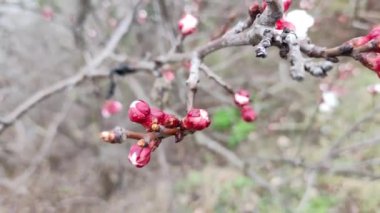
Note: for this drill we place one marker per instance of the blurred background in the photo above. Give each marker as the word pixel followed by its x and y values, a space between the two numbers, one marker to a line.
pixel 52 160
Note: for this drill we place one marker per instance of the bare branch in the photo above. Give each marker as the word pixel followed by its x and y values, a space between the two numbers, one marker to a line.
pixel 73 81
pixel 193 81
pixel 217 79
pixel 272 13
pixel 345 49
pixel 297 62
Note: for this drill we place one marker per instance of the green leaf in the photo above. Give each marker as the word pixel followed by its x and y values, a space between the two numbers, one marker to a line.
pixel 239 133
pixel 224 118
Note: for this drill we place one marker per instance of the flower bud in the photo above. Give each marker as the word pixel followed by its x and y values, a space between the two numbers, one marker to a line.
pixel 242 97
pixel 371 60
pixel 358 41
pixel 187 24
pixel 362 40
pixel 256 9
pixel 171 121
pixel 107 136
pixel 196 119
pixel 139 156
pixel 157 115
pixel 139 111
pixel 111 107
pixel 282 24
pixel 374 33
pixel 287 4
pixel 248 113
pixel 168 75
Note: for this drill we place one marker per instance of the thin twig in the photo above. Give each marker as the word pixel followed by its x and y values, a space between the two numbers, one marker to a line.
pixel 211 74
pixel 86 71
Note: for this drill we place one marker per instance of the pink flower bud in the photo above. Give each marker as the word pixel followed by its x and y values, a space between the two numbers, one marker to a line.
pixel 256 9
pixel 168 75
pixel 139 111
pixel 48 13
pixel 157 115
pixel 111 107
pixel 248 113
pixel 196 119
pixel 371 60
pixel 171 121
pixel 150 125
pixel 282 24
pixel 358 41
pixel 242 97
pixel 287 4
pixel 157 118
pixel 374 33
pixel 139 156
pixel 187 24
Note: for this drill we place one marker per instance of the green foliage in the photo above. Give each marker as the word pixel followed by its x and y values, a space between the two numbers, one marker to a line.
pixel 320 204
pixel 239 133
pixel 224 118
pixel 228 118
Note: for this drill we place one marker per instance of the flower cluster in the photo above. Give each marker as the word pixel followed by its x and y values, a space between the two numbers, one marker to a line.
pixel 150 117
pixel 298 21
pixel 369 59
pixel 157 121
pixel 242 99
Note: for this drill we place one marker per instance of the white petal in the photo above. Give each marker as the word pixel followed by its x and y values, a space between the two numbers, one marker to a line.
pixel 133 104
pixel 133 159
pixel 188 22
pixel 204 114
pixel 376 88
pixel 330 98
pixel 301 20
pixel 241 99
pixel 323 107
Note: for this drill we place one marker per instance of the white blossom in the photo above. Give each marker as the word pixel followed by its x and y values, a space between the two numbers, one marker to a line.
pixel 301 20
pixel 329 101
pixel 187 24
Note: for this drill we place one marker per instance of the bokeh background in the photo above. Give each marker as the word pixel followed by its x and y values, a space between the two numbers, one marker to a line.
pixel 52 160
